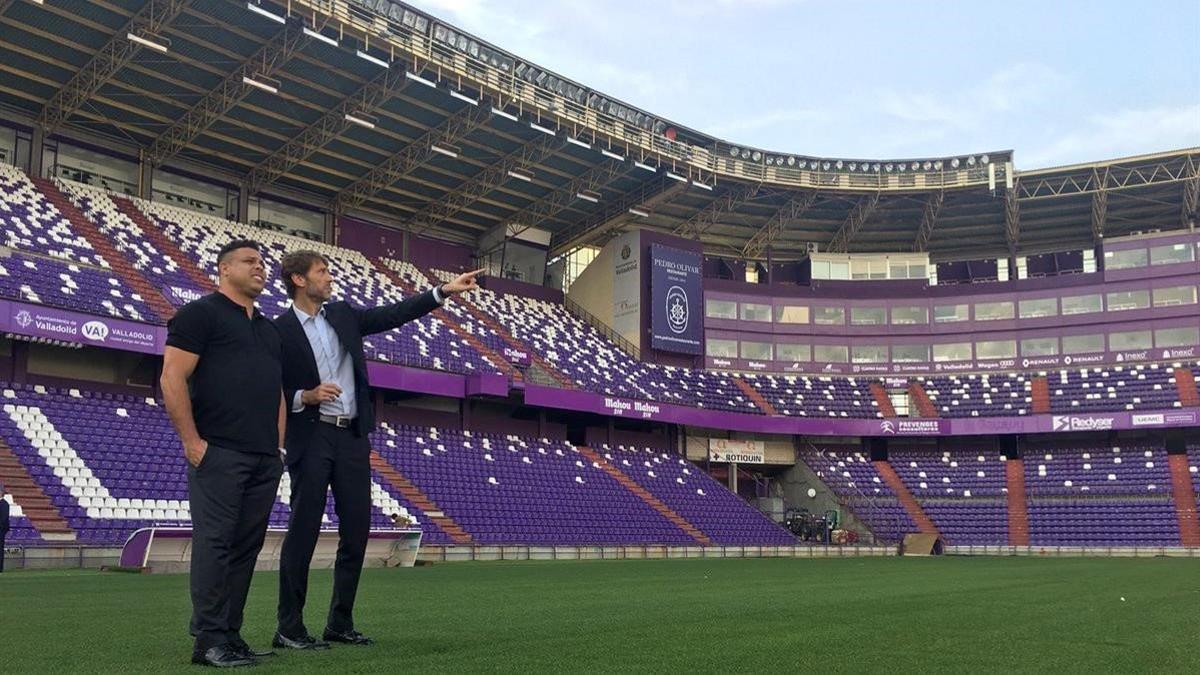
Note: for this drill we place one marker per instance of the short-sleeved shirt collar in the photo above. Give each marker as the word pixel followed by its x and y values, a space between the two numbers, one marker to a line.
pixel 255 314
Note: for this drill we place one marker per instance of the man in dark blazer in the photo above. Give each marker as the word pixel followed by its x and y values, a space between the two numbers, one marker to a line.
pixel 3 525
pixel 330 414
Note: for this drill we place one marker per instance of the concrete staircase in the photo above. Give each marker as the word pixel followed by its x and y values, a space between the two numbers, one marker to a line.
pixel 755 396
pixel 883 400
pixel 120 265
pixel 1018 510
pixel 1185 383
pixel 888 474
pixel 419 499
pixel 921 401
pixel 167 247
pixel 1040 392
pixel 499 361
pixel 1185 500
pixel 37 507
pixel 654 502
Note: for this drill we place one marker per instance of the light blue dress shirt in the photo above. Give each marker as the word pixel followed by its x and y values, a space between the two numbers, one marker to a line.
pixel 333 362
pixel 333 365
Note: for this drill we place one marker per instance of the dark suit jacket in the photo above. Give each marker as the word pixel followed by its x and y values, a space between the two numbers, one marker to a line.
pixel 3 516
pixel 300 366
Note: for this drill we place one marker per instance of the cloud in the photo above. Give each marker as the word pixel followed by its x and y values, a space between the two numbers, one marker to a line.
pixel 767 120
pixel 1131 131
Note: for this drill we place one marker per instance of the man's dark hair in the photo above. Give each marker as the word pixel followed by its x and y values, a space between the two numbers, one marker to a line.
pixel 235 245
pixel 298 262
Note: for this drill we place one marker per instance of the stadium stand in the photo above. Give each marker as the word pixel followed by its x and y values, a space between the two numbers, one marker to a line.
pixel 428 343
pixel 854 478
pixel 502 489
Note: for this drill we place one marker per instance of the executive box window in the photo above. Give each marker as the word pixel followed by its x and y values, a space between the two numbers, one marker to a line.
pixel 754 312
pixel 1083 344
pixel 791 314
pixel 1174 295
pixel 869 354
pixel 1122 300
pixel 830 354
pixel 951 313
pixel 759 351
pixel 996 349
pixel 825 269
pixel 723 349
pixel 954 351
pixel 1082 304
pixel 1176 337
pixel 868 316
pixel 829 316
pixel 910 353
pixel 868 269
pixel 909 315
pixel 907 270
pixel 994 311
pixel 1124 260
pixel 1038 308
pixel 793 352
pixel 1039 346
pixel 720 309
pixel 1171 254
pixel 1136 339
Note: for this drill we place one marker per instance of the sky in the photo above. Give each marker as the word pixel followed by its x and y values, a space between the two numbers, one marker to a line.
pixel 1057 82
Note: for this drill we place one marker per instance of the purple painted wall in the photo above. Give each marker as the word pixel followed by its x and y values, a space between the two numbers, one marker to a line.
pixel 376 240
pixel 513 287
pixel 426 253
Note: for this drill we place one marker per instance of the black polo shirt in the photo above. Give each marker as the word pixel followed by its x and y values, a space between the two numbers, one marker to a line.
pixel 238 380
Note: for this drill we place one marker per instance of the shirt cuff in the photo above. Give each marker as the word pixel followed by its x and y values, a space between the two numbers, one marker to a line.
pixel 437 295
pixel 298 401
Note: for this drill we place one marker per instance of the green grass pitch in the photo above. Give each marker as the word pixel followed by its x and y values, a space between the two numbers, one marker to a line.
pixel 769 615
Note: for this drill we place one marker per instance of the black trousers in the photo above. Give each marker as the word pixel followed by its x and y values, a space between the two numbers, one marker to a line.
pixel 231 495
pixel 3 535
pixel 338 459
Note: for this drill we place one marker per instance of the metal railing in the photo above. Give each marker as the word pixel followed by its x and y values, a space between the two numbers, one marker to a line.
pixel 606 330
pixel 701 163
pixel 874 514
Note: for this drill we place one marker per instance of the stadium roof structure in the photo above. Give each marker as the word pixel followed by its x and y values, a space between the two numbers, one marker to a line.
pixel 373 107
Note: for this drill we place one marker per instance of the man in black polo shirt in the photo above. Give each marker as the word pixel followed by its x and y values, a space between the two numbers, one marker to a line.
pixel 222 385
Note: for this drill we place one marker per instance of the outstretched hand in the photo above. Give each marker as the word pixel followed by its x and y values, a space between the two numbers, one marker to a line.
pixel 463 283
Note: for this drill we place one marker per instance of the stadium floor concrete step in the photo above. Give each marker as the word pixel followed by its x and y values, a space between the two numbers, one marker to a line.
pixel 1185 383
pixel 645 495
pixel 167 247
pixel 1184 495
pixel 883 400
pixel 121 265
pixel 921 400
pixel 498 360
pixel 36 506
pixel 1018 505
pixel 755 396
pixel 906 499
pixel 1040 393
pixel 420 500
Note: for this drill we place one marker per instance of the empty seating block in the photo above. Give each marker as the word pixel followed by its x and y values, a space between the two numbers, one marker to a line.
pixel 697 497
pixel 852 476
pixel 112 463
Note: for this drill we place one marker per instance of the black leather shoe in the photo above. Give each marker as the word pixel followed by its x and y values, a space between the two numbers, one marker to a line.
pixel 222 656
pixel 350 637
pixel 247 650
pixel 303 642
